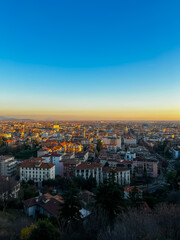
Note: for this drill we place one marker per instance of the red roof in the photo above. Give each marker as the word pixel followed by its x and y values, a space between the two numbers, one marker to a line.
pixel 129 189
pixel 88 165
pixel 48 202
pixel 35 164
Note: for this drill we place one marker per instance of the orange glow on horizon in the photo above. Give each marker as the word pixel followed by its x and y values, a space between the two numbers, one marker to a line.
pixel 129 114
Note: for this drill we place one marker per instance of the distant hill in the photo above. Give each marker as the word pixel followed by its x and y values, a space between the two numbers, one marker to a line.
pixel 3 118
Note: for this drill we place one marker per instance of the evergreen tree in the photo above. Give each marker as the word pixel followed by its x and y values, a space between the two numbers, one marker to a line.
pixel 110 197
pixel 134 196
pixel 70 208
pixel 99 145
pixel 1 141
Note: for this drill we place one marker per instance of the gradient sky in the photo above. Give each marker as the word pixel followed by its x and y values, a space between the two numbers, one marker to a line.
pixel 91 60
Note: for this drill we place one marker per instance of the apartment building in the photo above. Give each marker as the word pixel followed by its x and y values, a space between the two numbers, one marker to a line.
pixel 7 165
pixel 36 170
pixel 83 156
pixel 95 170
pixel 68 167
pixel 112 140
pixel 129 140
pixel 87 169
pixel 121 175
pixel 54 158
pixel 142 165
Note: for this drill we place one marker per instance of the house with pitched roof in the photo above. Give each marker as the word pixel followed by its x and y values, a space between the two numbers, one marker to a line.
pixel 45 204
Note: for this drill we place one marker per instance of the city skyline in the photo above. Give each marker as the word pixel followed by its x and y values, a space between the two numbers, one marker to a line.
pixel 90 61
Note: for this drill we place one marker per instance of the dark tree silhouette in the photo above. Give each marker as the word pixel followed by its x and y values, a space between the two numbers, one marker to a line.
pixel 110 197
pixel 69 211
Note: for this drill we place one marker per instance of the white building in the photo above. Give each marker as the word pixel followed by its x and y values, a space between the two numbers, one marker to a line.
pixel 119 142
pixel 54 158
pixel 87 169
pixel 83 156
pixel 130 140
pixel 7 166
pixel 95 170
pixel 36 170
pixel 122 175
pixel 116 141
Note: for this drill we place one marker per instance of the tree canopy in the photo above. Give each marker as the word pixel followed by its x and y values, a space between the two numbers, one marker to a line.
pixel 70 207
pixel 110 197
pixel 44 230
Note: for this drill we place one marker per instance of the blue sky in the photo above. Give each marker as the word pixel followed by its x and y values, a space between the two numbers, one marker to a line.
pixel 88 56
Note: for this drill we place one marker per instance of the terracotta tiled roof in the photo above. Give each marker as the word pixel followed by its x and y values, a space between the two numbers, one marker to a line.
pixel 71 161
pixel 88 165
pixel 53 154
pixel 129 189
pixel 35 164
pixel 48 202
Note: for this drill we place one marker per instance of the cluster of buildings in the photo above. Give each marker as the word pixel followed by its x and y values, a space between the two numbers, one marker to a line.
pixel 86 149
pixel 81 149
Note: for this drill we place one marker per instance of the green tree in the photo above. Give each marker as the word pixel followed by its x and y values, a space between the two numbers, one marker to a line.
pixel 96 153
pixel 29 191
pixel 44 231
pixel 172 179
pixel 85 184
pixel 1 141
pixel 25 154
pixel 99 145
pixel 26 232
pixel 110 197
pixel 134 196
pixel 90 183
pixel 69 211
